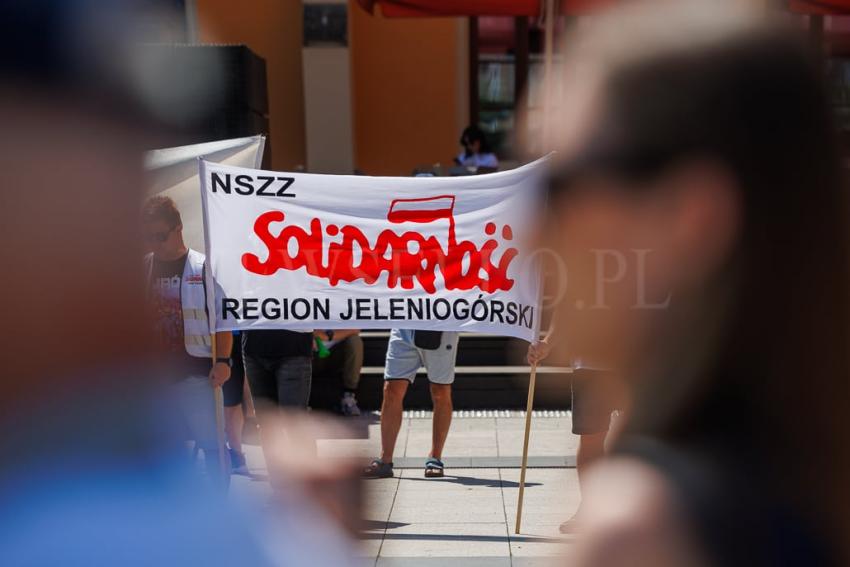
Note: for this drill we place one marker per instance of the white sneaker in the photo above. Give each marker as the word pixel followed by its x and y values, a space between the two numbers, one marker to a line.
pixel 349 405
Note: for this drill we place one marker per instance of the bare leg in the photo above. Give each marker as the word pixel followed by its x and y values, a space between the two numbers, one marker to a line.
pixel 248 401
pixel 590 448
pixel 391 408
pixel 234 422
pixel 441 395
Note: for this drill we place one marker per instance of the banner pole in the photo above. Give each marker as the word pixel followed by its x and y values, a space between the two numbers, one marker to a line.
pixel 218 397
pixel 549 39
pixel 529 406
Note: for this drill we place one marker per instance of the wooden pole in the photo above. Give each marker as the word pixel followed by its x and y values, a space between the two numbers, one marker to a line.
pixel 218 397
pixel 549 47
pixel 529 406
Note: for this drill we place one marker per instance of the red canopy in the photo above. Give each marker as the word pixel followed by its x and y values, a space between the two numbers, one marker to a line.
pixel 821 7
pixel 437 8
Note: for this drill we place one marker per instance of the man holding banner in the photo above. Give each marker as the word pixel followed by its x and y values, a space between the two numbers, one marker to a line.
pixel 407 352
pixel 177 296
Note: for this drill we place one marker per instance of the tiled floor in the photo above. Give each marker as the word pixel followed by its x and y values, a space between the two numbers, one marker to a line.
pixel 467 518
pixel 470 436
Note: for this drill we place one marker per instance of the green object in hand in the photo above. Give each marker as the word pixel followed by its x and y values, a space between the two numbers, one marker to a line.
pixel 321 349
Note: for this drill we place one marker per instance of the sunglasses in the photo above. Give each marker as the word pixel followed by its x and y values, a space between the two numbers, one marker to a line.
pixel 159 236
pixel 631 165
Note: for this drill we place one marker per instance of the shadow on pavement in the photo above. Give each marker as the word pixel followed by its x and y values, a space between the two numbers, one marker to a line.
pixel 470 537
pixel 375 525
pixel 472 481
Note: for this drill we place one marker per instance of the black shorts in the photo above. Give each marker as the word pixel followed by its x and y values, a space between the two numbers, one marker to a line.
pixel 233 389
pixel 593 401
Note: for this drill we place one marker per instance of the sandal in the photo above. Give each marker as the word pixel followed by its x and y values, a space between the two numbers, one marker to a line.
pixel 378 469
pixel 434 468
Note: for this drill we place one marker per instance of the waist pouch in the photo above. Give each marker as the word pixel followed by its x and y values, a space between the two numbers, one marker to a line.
pixel 427 340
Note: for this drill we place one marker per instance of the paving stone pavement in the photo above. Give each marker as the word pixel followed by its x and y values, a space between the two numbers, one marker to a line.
pixel 466 518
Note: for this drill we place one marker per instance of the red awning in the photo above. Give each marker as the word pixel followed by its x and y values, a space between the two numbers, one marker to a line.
pixel 437 8
pixel 821 7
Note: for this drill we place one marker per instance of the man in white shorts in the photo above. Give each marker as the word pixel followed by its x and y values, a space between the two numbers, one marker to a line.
pixel 407 352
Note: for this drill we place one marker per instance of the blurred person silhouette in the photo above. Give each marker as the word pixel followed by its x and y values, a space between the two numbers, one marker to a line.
pixel 92 472
pixel 698 203
pixel 178 301
pixel 595 396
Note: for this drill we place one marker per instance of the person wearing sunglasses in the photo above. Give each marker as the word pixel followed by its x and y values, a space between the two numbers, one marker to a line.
pixel 177 298
pixel 699 204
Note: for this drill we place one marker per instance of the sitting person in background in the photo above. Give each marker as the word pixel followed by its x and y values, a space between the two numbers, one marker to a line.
pixel 476 150
pixel 344 354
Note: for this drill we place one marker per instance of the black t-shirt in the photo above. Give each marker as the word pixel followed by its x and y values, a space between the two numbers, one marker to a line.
pixel 277 343
pixel 167 306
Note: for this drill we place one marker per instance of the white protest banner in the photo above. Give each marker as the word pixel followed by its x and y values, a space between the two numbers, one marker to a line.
pixel 304 251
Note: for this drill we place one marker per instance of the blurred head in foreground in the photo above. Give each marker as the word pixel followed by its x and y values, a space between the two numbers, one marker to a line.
pixel 90 473
pixel 701 218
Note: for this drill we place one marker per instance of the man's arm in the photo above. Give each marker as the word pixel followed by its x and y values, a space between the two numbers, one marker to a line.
pixel 539 350
pixel 220 372
pixel 223 344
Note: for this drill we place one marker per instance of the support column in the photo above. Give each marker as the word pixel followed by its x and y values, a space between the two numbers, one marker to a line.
pixel 326 64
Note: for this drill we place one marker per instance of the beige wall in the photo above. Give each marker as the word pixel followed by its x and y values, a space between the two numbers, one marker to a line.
pixel 408 81
pixel 272 29
pixel 408 90
pixel 327 105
